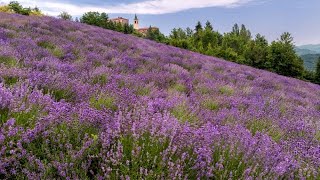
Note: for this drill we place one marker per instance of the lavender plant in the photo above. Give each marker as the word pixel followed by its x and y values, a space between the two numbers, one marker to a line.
pixel 81 102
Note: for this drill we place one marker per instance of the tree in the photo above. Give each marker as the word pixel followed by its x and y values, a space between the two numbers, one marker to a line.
pixel 198 27
pixel 256 52
pixel 283 59
pixel 235 29
pixel 209 26
pixel 317 76
pixel 66 16
pixel 155 35
pixel 95 18
pixel 17 8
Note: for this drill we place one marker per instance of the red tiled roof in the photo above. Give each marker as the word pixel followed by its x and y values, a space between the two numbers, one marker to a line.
pixel 119 18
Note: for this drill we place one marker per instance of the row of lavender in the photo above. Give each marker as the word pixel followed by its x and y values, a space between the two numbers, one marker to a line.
pixel 82 102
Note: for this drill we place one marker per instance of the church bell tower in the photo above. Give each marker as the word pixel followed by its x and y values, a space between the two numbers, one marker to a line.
pixel 136 22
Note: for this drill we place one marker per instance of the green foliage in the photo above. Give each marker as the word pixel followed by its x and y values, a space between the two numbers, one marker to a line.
pixel 179 87
pixel 102 20
pixel 155 35
pixel 46 45
pixel 103 102
pixel 143 91
pixel 10 80
pixel 8 61
pixel 66 16
pixel 4 115
pixel 265 126
pixel 239 46
pixel 210 105
pixel 60 93
pixel 317 76
pixel 55 51
pixel 283 59
pixel 226 90
pixel 184 114
pixel 100 79
pixel 14 6
pixel 95 18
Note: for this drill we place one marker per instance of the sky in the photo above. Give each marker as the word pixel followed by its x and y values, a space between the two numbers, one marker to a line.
pixel 268 17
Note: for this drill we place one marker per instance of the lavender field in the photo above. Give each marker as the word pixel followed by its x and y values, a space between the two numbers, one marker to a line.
pixel 81 102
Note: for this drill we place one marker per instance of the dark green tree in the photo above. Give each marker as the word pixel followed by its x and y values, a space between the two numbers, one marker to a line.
pixel 17 8
pixel 283 59
pixel 235 29
pixel 208 26
pixel 198 27
pixel 66 16
pixel 256 52
pixel 317 76
pixel 95 18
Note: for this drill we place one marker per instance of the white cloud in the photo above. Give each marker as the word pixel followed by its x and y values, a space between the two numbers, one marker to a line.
pixel 144 7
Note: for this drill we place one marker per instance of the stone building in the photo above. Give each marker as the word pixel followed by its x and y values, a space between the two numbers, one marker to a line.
pixel 120 20
pixel 125 21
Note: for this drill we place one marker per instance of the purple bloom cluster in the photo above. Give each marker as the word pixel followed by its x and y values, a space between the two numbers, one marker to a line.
pixel 79 102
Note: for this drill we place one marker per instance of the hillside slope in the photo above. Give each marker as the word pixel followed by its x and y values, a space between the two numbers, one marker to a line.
pixel 82 102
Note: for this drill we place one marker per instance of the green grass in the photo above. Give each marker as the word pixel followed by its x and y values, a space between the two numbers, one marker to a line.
pixel 265 126
pixel 226 90
pixel 210 105
pixel 59 94
pixel 317 136
pixel 54 50
pixel 103 102
pixel 57 52
pixel 8 61
pixel 178 87
pixel 4 115
pixel 203 90
pixel 183 114
pixel 26 118
pixel 143 91
pixel 100 79
pixel 10 80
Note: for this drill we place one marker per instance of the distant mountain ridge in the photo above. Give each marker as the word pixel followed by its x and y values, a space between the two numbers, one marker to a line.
pixel 310 54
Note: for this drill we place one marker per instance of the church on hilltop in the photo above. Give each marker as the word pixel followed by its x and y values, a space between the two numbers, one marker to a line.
pixel 125 21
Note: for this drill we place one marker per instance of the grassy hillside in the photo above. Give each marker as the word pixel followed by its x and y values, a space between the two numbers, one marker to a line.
pixel 81 102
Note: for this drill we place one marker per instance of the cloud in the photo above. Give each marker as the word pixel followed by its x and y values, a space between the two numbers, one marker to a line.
pixel 143 7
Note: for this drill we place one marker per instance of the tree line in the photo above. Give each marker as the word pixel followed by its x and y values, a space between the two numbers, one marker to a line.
pixel 238 45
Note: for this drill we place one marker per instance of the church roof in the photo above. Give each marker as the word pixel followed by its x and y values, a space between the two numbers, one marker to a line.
pixel 135 17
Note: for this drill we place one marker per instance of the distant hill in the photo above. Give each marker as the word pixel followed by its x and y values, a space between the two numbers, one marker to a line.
pixel 301 52
pixel 311 47
pixel 309 54
pixel 310 60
